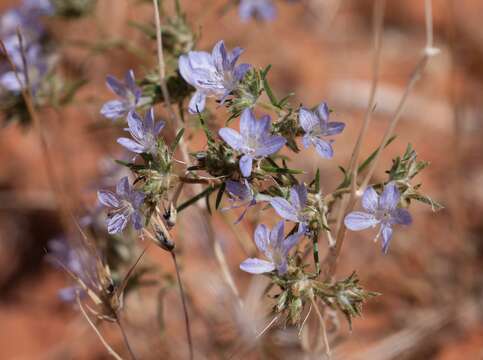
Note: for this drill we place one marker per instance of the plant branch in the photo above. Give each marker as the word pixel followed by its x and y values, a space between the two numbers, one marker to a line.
pixel 96 330
pixel 185 308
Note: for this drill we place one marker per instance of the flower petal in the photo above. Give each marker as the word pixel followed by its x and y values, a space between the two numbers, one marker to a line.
pixel 257 266
pixel 237 189
pixel 307 119
pixel 291 241
pixel 197 103
pixel 277 235
pixel 357 220
pixel 131 145
pixel 108 198
pixel 334 128
pixel 149 121
pixel 246 165
pixel 231 137
pixel 270 146
pixel 323 113
pixel 116 223
pixel 324 148
pixel 136 125
pixel 240 71
pixel 114 109
pixel 262 238
pixel 284 208
pixel 185 69
pixel 123 187
pixel 370 200
pixel 116 86
pixel 298 196
pixel 137 220
pixel 248 124
pixel 219 56
pixel 401 216
pixel 389 197
pixel 386 232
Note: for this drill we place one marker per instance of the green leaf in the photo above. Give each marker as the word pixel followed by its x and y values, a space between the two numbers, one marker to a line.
pixel 197 197
pixel 219 196
pixel 179 135
pixel 268 90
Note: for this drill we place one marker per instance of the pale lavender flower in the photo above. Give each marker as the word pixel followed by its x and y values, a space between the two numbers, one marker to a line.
pixel 381 210
pixel 144 133
pixel 259 9
pixel 62 255
pixel 125 205
pixel 242 195
pixel 37 67
pixel 292 210
pixel 212 75
pixel 254 140
pixel 38 7
pixel 316 126
pixel 129 96
pixel 275 246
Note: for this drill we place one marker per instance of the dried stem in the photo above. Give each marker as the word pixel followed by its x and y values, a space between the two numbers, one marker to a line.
pixel 125 338
pixel 26 92
pixel 185 308
pixel 429 51
pixel 322 326
pixel 96 330
pixel 162 79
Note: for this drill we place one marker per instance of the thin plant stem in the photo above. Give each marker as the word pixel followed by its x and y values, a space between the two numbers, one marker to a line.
pixel 323 327
pixel 429 51
pixel 125 338
pixel 378 25
pixel 185 307
pixel 96 330
pixel 26 92
pixel 162 80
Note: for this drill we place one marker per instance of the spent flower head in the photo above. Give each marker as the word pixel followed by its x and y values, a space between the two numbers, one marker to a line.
pixel 124 206
pixel 212 75
pixel 275 246
pixel 129 96
pixel 144 133
pixel 380 210
pixel 254 140
pixel 316 126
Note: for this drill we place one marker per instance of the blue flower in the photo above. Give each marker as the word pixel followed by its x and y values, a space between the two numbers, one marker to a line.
pixel 259 9
pixel 380 210
pixel 125 204
pixel 77 262
pixel 275 246
pixel 254 140
pixel 212 75
pixel 144 132
pixel 316 125
pixel 292 210
pixel 128 92
pixel 242 195
pixel 37 67
pixel 38 7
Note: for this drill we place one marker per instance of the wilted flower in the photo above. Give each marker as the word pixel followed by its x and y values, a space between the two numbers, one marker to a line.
pixel 292 210
pixel 212 74
pixel 316 125
pixel 259 9
pixel 242 196
pixel 129 93
pixel 254 140
pixel 125 204
pixel 144 132
pixel 381 210
pixel 275 246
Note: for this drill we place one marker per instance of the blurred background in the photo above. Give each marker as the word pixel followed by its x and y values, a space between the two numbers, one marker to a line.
pixel 431 281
